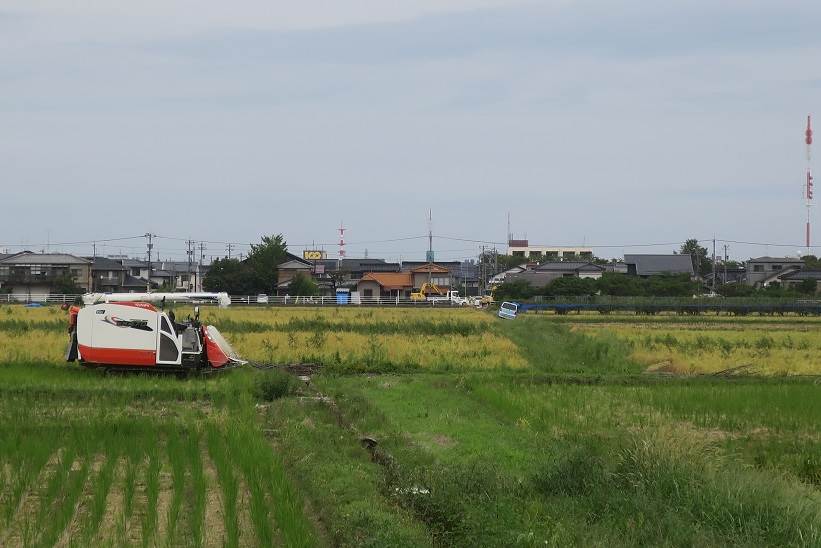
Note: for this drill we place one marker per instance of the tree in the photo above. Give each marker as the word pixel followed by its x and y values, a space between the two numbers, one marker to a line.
pixel 702 265
pixel 66 285
pixel 736 290
pixel 256 274
pixel 504 262
pixel 231 276
pixel 670 285
pixel 302 284
pixel 807 287
pixel 263 260
pixel 516 289
pixel 621 285
pixel 571 285
pixel 811 262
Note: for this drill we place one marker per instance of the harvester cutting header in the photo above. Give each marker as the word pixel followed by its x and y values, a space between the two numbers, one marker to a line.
pixel 127 330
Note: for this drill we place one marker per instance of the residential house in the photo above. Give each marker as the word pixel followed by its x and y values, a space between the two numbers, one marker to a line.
pixel 763 271
pixel 793 278
pixel 355 269
pixel 385 284
pixel 501 277
pixel 572 269
pixel 731 275
pixel 107 275
pixel 522 248
pixel 286 271
pixel 179 275
pixel 543 274
pixel 33 276
pixel 644 265
pixel 433 273
pixel 615 268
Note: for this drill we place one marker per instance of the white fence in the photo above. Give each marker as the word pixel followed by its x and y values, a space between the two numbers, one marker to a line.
pixel 252 300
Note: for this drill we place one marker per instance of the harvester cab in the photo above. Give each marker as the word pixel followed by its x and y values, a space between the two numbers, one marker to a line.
pixel 128 331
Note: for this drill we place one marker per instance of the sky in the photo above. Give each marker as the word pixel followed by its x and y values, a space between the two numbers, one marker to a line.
pixel 599 123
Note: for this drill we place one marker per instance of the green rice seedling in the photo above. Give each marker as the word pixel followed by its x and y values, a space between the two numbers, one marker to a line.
pixel 199 486
pixel 177 459
pixel 63 506
pixel 102 486
pixel 229 486
pixel 152 489
pixel 29 458
pixel 271 493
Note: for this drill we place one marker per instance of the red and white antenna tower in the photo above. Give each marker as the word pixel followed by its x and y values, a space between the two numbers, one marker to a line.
pixel 341 240
pixel 808 184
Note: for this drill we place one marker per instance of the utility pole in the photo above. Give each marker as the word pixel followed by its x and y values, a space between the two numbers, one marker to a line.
pixel 726 258
pixel 190 253
pixel 229 247
pixel 482 280
pixel 714 265
pixel 150 247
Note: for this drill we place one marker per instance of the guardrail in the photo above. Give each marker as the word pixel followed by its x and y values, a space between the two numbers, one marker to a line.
pixel 52 298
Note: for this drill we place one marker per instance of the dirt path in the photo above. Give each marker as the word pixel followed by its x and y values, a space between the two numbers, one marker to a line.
pixel 214 526
pixel 82 505
pixel 166 491
pixel 16 533
pixel 139 506
pixel 107 534
pixel 247 536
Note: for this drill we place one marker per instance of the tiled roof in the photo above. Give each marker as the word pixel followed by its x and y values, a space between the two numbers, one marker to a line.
pixel 390 280
pixel 430 267
pixel 776 260
pixel 104 263
pixel 803 275
pixel 569 266
pixel 27 257
pixel 648 265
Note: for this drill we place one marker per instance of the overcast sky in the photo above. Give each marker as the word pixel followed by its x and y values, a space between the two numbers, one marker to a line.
pixel 596 122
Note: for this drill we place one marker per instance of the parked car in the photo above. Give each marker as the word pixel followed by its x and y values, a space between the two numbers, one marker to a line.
pixel 262 299
pixel 508 310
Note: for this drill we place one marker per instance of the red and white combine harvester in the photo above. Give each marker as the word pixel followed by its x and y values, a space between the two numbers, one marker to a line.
pixel 128 331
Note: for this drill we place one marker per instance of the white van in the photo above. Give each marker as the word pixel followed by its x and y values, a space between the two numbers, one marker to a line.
pixel 508 310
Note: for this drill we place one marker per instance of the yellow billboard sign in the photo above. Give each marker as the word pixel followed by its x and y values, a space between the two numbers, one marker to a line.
pixel 313 255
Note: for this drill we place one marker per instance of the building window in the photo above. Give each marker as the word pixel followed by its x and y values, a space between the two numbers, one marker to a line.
pixel 777 267
pixel 535 255
pixel 367 293
pixel 758 268
pixel 518 253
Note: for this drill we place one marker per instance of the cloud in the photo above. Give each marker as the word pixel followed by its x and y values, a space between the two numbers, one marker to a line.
pixel 639 118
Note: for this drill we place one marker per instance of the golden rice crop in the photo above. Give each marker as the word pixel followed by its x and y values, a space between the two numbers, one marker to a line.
pixel 685 349
pixel 34 346
pixel 280 315
pixel 357 351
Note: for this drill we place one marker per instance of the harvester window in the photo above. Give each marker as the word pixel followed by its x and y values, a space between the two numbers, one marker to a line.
pixel 165 326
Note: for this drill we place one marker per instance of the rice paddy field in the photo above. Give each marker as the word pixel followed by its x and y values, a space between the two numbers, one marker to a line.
pixel 437 427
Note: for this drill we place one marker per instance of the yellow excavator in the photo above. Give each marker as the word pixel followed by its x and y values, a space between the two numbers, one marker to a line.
pixel 426 288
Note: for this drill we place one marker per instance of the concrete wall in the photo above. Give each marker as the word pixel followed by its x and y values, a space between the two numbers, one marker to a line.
pixel 440 279
pixel 369 286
